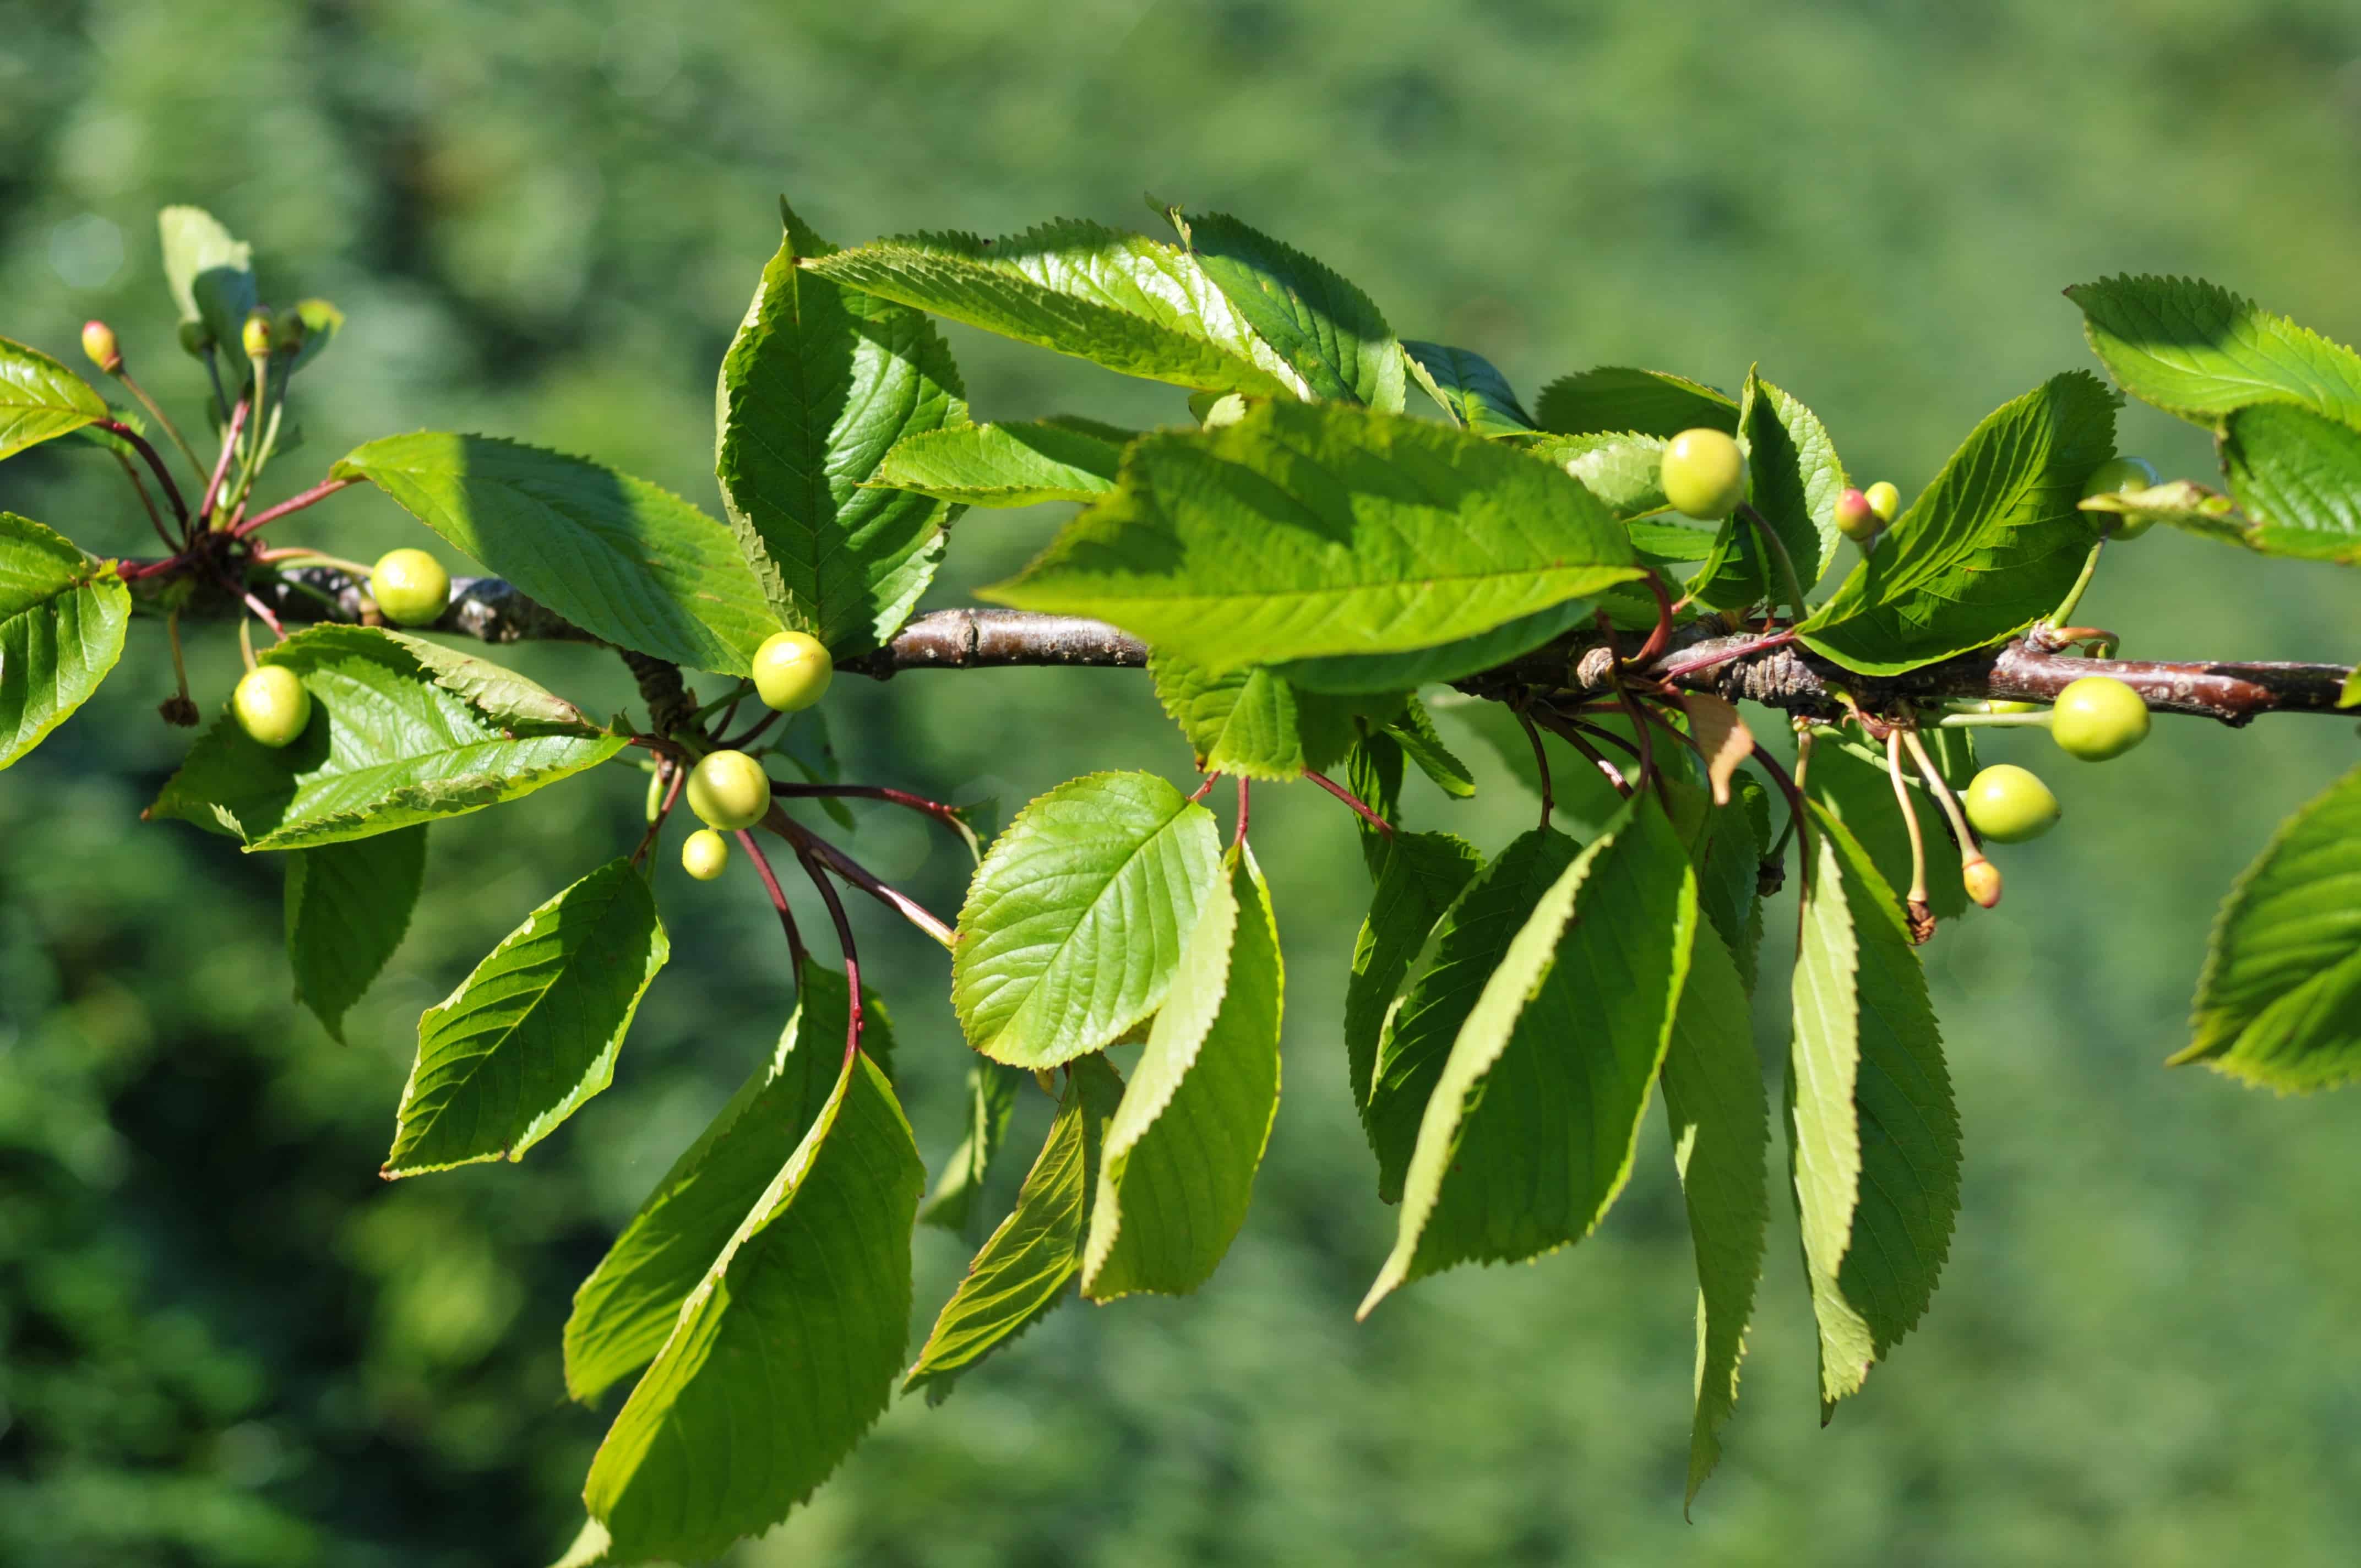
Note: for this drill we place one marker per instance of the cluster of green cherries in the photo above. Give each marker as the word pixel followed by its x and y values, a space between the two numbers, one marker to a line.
pixel 2095 718
pixel 728 790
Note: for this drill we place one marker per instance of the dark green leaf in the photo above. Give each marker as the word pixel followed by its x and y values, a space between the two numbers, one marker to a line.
pixel 389 745
pixel 1418 876
pixel 348 908
pixel 494 690
pixel 63 617
pixel 1021 1274
pixel 1469 387
pixel 1309 530
pixel 1131 304
pixel 992 1092
pixel 2199 351
pixel 2298 475
pixel 1989 548
pixel 1328 331
pixel 629 563
pixel 1616 399
pixel 1373 771
pixel 40 399
pixel 2279 1002
pixel 783 1355
pixel 1721 1122
pixel 1184 1147
pixel 820 383
pixel 1729 873
pixel 1076 918
pixel 532 1032
pixel 1873 1141
pixel 210 274
pixel 625 1311
pixel 1415 730
pixel 1022 465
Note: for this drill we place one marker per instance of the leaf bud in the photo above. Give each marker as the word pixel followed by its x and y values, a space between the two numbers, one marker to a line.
pixel 98 342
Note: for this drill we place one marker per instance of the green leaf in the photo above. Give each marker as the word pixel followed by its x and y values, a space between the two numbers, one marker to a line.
pixel 2183 503
pixel 992 1092
pixel 389 745
pixel 2298 473
pixel 347 909
pixel 2199 351
pixel 626 1309
pixel 1418 876
pixel 2280 1000
pixel 1361 672
pixel 1989 548
pixel 493 690
pixel 1416 732
pixel 1134 304
pixel 1528 1136
pixel 2351 696
pixel 1309 529
pixel 1469 387
pixel 322 321
pixel 1021 1274
pixel 1075 920
pixel 1184 1147
pixel 786 1352
pixel 820 385
pixel 1616 399
pixel 1874 1140
pixel 1626 472
pixel 1373 771
pixel 211 275
pixel 40 399
pixel 628 563
pixel 1021 464
pixel 1248 723
pixel 1728 871
pixel 1795 480
pixel 1327 330
pixel 532 1032
pixel 1860 794
pixel 1461 952
pixel 63 617
pixel 1721 1122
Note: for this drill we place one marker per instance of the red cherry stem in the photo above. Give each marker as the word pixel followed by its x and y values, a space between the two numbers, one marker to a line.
pixel 796 951
pixel 675 775
pixel 843 942
pixel 1541 761
pixel 221 464
pixel 312 497
pixel 163 475
pixel 1354 801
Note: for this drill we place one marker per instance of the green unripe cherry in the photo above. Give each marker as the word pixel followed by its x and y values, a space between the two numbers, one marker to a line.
pixel 2114 476
pixel 730 790
pixel 1856 519
pixel 2097 718
pixel 704 854
pixel 255 335
pixel 410 588
pixel 792 670
pixel 1704 475
pixel 272 704
pixel 196 339
pixel 2009 805
pixel 1884 501
pixel 98 341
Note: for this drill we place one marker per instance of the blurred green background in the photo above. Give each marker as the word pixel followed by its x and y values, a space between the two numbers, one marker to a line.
pixel 228 1343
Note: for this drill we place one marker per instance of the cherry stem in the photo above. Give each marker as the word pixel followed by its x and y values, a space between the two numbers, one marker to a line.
pixel 1970 849
pixel 804 848
pixel 1569 731
pixel 1541 757
pixel 220 467
pixel 180 665
pixel 810 847
pixel 947 815
pixel 1777 549
pixel 1204 789
pixel 796 951
pixel 673 776
pixel 1798 815
pixel 146 504
pixel 753 733
pixel 312 497
pixel 1745 649
pixel 1354 801
pixel 163 474
pixel 1656 638
pixel 1648 771
pixel 1894 770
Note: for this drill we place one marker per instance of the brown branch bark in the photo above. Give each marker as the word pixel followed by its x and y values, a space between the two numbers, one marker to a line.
pixel 1787 678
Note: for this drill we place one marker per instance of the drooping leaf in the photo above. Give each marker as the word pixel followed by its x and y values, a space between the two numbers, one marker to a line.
pixel 1617 399
pixel 2279 1001
pixel 820 385
pixel 2199 351
pixel 532 1032
pixel 347 909
pixel 1021 1274
pixel 629 563
pixel 1529 1134
pixel 1796 479
pixel 1990 547
pixel 1018 464
pixel 1184 1147
pixel 1721 1122
pixel 1874 1140
pixel 493 690
pixel 783 1355
pixel 1076 918
pixel 2183 503
pixel 1330 334
pixel 1305 531
pixel 990 1099
pixel 1250 723
pixel 1461 952
pixel 1469 387
pixel 1860 794
pixel 63 617
pixel 40 399
pixel 2298 475
pixel 1134 304
pixel 1423 745
pixel 1418 876
pixel 387 745
pixel 210 274
pixel 627 1308
pixel 1362 672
